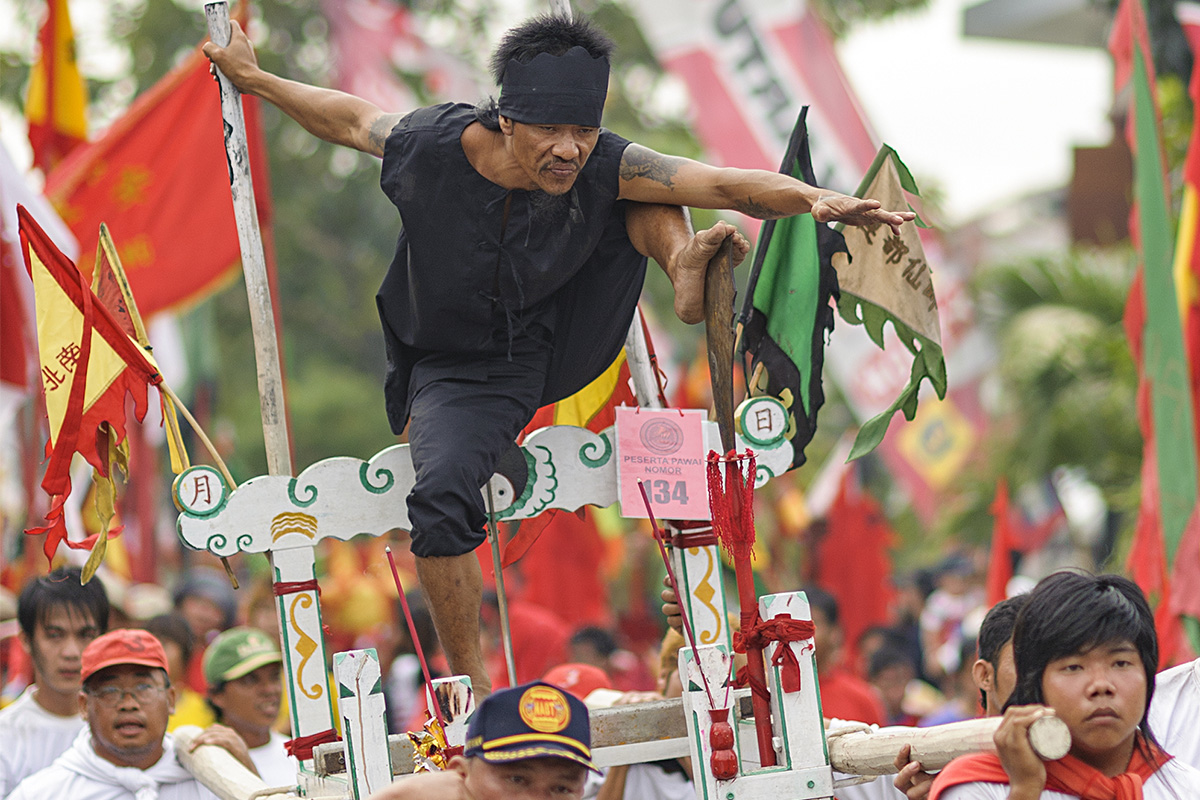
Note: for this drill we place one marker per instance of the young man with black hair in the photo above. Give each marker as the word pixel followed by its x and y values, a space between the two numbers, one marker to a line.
pixel 518 267
pixel 843 694
pixel 58 618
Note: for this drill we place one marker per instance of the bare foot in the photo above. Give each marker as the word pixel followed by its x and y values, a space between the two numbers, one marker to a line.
pixel 691 263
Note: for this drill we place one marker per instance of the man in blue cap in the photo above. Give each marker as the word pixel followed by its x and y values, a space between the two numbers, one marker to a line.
pixel 531 741
pixel 519 266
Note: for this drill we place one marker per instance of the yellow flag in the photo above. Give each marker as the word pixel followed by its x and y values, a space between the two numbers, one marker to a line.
pixel 57 104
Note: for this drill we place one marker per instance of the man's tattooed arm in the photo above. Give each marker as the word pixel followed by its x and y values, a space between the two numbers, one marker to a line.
pixel 640 162
pixel 381 127
pixel 752 208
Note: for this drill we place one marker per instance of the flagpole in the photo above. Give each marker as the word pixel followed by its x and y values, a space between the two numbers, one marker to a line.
pixel 254 266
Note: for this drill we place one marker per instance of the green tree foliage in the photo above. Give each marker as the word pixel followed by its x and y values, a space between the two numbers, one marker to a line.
pixel 1066 387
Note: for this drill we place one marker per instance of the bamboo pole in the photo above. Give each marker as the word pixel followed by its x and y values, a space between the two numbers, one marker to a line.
pixel 254 265
pixel 873 752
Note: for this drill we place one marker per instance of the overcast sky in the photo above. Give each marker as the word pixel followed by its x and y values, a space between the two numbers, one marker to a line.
pixel 986 120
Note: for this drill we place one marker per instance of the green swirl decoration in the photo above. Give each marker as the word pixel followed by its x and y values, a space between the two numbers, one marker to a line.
pixel 760 471
pixel 519 503
pixel 602 459
pixel 551 478
pixel 364 477
pixel 244 541
pixel 216 543
pixel 310 490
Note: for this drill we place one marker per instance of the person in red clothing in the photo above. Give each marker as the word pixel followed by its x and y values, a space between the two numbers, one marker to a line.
pixel 843 694
pixel 539 638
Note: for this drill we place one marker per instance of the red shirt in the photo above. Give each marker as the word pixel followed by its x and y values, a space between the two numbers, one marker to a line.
pixel 849 698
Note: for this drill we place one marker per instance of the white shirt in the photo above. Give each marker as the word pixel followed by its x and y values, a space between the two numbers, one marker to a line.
pixel 1174 781
pixel 32 738
pixel 80 774
pixel 274 765
pixel 1175 710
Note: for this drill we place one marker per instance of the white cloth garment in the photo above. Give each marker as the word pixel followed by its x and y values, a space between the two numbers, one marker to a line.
pixel 1174 781
pixel 32 738
pixel 274 765
pixel 1175 709
pixel 80 774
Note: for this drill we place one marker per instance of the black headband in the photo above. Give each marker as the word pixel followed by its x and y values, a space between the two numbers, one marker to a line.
pixel 556 90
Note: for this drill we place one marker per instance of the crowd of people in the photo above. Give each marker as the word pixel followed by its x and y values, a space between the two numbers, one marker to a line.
pixel 96 717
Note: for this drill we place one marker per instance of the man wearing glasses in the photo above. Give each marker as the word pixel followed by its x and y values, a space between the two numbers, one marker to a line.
pixel 124 751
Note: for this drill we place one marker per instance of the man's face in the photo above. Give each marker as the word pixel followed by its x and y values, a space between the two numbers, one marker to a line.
pixel 891 683
pixel 250 704
pixel 1101 695
pixel 550 156
pixel 827 639
pixel 128 725
pixel 57 646
pixel 529 779
pixel 203 616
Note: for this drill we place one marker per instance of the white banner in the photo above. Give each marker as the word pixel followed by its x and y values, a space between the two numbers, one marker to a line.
pixel 750 65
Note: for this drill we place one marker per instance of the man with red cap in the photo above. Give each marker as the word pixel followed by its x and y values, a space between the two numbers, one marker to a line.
pixel 125 752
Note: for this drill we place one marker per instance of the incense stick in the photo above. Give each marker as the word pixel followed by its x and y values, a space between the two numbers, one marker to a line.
pixel 416 640
pixel 687 625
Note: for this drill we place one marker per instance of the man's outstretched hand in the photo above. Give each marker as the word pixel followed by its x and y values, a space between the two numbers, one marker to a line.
pixel 691 263
pixel 855 211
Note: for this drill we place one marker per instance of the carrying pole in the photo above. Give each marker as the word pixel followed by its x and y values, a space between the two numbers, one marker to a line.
pixel 254 264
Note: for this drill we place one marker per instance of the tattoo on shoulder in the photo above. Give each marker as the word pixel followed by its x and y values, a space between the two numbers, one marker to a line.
pixel 380 128
pixel 752 208
pixel 640 162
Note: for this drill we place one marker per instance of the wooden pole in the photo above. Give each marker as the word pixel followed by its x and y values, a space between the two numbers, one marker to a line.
pixel 254 265
pixel 871 752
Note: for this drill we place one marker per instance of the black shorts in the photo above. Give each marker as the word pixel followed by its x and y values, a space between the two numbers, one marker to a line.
pixel 466 411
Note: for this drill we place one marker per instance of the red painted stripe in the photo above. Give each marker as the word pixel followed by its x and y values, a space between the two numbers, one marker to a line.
pixel 810 51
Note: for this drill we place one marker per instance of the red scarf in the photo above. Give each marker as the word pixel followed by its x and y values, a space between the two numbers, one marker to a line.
pixel 1068 775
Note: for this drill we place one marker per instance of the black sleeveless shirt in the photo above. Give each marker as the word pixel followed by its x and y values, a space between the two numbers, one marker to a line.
pixel 463 276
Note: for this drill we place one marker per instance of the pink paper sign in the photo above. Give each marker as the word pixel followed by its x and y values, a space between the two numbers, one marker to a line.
pixel 665 449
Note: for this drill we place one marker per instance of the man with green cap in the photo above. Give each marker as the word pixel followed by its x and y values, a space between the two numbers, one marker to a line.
pixel 518 267
pixel 243 669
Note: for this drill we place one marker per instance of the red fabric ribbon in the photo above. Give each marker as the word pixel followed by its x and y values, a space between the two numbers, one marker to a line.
pixel 784 630
pixel 1068 775
pixel 293 587
pixel 302 746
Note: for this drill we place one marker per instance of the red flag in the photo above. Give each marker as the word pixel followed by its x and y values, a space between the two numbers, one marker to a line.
pixel 571 587
pixel 1000 570
pixel 160 180
pixel 88 365
pixel 57 104
pixel 853 563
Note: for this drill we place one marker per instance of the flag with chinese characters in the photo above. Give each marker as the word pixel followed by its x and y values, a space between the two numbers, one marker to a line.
pixel 56 108
pixel 787 311
pixel 160 180
pixel 1166 549
pixel 88 365
pixel 886 279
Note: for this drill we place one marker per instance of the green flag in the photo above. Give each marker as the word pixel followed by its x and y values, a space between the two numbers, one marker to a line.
pixel 787 312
